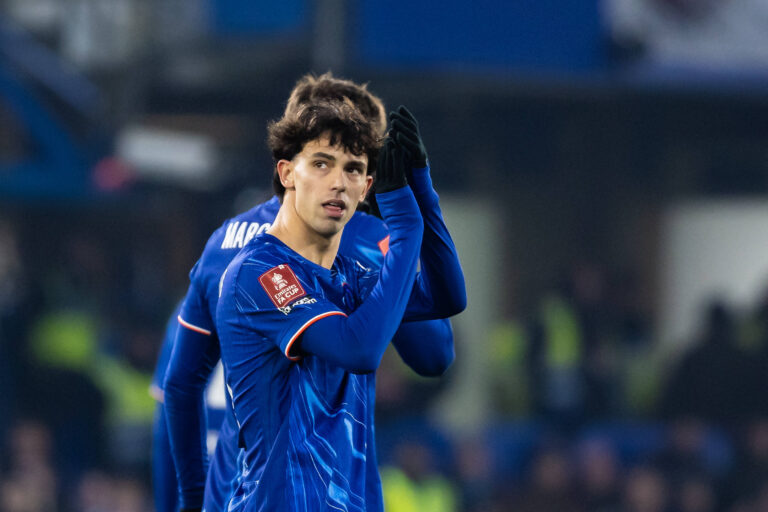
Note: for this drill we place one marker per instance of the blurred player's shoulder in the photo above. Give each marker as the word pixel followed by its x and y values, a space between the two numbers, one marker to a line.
pixel 236 232
pixel 365 239
pixel 363 222
pixel 232 236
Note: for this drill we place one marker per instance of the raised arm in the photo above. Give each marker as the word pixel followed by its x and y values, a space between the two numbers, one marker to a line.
pixel 441 280
pixel 357 342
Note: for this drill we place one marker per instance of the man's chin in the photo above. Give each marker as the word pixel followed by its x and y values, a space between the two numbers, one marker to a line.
pixel 331 228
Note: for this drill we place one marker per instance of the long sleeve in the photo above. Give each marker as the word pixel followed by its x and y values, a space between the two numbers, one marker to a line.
pixel 194 356
pixel 426 346
pixel 357 342
pixel 440 290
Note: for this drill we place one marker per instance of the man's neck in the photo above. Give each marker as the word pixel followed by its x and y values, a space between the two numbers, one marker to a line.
pixel 290 229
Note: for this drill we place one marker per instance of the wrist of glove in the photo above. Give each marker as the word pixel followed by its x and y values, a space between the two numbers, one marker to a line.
pixel 405 130
pixel 391 168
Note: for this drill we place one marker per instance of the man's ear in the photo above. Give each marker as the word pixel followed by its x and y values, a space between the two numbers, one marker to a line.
pixel 285 172
pixel 368 183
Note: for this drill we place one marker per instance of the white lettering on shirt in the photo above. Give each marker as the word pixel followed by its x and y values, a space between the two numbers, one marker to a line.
pixel 240 233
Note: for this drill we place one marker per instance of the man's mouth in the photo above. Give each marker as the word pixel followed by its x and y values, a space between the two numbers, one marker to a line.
pixel 335 208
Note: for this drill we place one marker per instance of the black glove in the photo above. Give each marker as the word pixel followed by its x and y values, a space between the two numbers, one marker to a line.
pixel 405 130
pixel 197 509
pixel 391 168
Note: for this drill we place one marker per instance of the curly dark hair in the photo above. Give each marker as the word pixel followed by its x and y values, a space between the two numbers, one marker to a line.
pixel 326 87
pixel 343 123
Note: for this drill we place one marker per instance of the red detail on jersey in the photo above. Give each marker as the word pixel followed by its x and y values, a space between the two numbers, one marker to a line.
pixel 384 245
pixel 282 285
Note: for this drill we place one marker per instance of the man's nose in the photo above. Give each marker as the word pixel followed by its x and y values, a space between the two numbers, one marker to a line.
pixel 337 179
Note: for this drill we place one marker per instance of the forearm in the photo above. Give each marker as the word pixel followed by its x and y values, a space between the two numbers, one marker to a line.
pixel 426 347
pixel 358 341
pixel 441 276
pixel 192 361
pixel 439 291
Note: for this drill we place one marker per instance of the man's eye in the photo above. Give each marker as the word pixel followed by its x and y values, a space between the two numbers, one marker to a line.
pixel 355 170
pixel 320 164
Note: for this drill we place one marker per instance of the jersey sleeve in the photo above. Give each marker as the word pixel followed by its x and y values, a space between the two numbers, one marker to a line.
pixel 279 302
pixel 358 342
pixel 195 354
pixel 158 378
pixel 194 314
pixel 439 290
pixel 426 346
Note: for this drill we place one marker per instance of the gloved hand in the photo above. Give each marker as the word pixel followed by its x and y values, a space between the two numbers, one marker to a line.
pixel 405 130
pixel 391 168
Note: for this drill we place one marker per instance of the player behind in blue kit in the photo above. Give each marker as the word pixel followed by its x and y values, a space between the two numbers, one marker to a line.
pixel 163 470
pixel 164 479
pixel 425 346
pixel 302 328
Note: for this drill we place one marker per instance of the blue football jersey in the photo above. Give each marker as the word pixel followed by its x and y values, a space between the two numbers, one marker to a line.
pixel 304 426
pixel 364 238
pixel 427 347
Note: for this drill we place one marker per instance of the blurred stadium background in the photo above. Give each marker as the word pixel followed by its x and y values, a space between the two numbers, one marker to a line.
pixel 604 170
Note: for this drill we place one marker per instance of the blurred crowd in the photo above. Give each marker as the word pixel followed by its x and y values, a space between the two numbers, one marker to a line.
pixel 591 412
pixel 75 363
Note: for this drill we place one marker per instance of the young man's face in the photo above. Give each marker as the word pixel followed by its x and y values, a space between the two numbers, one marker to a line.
pixel 326 184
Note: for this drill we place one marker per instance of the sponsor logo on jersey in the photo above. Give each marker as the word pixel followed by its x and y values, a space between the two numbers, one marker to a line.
pixel 282 285
pixel 240 233
pixel 306 300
